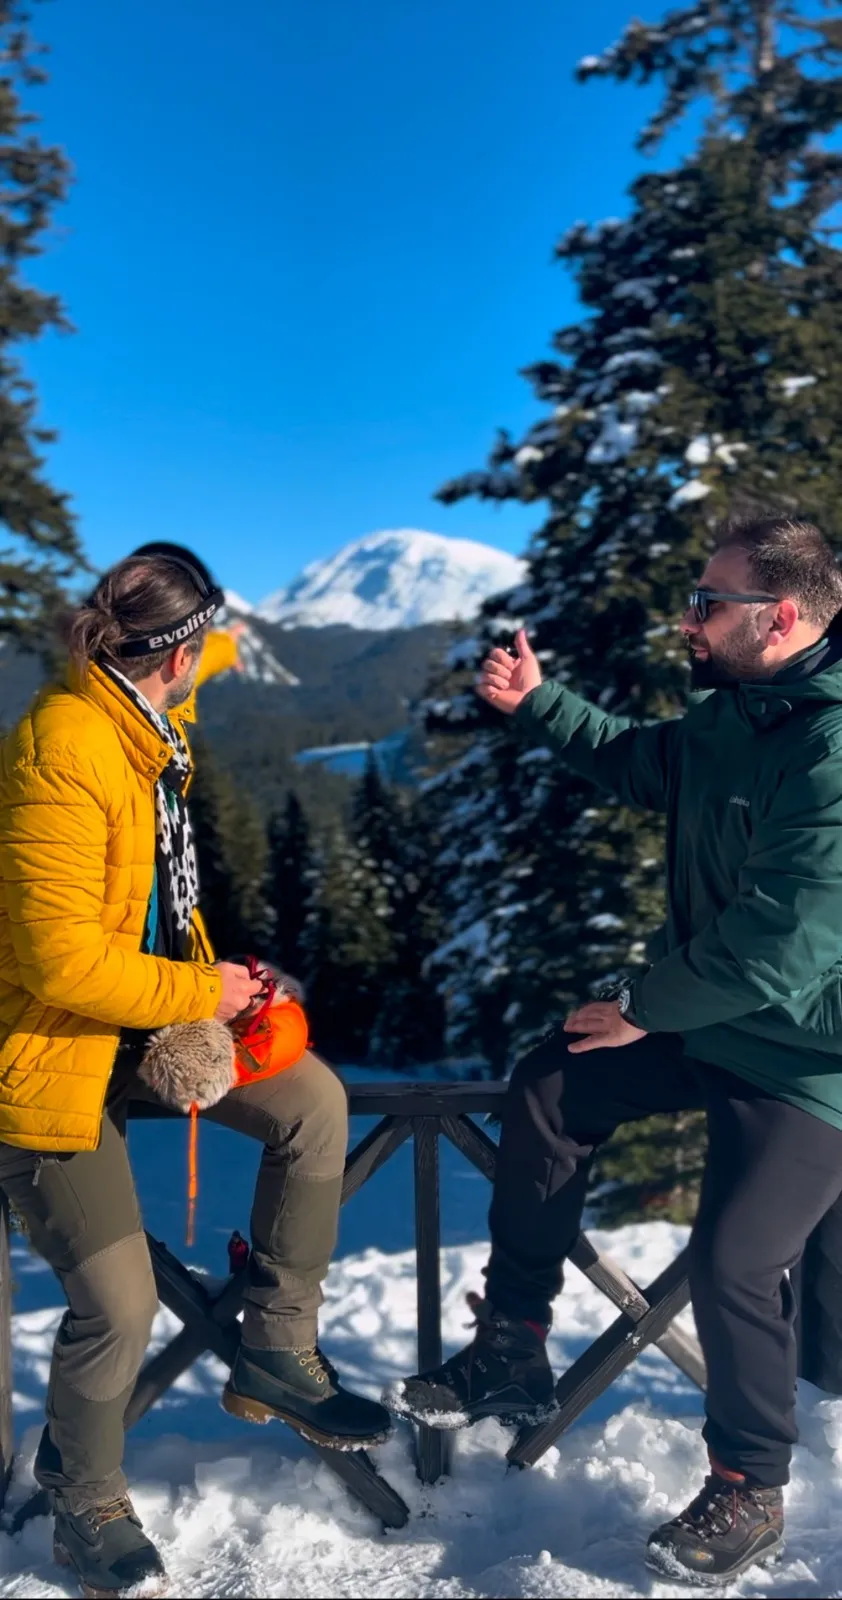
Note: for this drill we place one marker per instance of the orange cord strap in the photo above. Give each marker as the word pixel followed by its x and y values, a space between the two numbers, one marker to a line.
pixel 192 1174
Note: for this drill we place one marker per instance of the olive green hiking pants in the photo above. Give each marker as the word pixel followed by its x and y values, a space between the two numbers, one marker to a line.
pixel 82 1215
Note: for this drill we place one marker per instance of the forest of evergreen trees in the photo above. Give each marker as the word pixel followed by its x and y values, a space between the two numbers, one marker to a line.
pixel 352 911
pixel 458 917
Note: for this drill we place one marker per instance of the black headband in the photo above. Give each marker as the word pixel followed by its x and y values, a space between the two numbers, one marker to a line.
pixel 169 635
pixel 174 634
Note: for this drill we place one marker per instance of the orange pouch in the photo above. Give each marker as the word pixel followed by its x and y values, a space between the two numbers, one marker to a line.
pixel 276 1039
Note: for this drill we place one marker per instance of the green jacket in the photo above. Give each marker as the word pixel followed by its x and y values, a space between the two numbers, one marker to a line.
pixel 748 965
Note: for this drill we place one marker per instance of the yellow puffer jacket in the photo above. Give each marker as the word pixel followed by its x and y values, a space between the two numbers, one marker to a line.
pixel 77 856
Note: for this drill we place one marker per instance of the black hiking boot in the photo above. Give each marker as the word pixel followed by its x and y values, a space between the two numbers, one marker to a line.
pixel 301 1388
pixel 727 1528
pixel 503 1373
pixel 108 1550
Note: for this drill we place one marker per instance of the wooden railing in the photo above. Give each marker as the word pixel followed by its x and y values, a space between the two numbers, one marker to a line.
pixel 423 1112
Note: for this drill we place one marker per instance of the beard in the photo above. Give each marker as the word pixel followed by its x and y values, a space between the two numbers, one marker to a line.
pixel 177 693
pixel 737 659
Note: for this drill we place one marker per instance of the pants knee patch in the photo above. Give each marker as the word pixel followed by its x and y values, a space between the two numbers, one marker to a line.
pixel 112 1301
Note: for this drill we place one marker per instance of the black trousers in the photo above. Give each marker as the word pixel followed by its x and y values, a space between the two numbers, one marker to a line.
pixel 772 1172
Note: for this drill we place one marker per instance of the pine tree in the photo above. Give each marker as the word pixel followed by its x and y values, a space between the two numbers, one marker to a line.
pixel 232 854
pixel 290 883
pixel 346 950
pixel 376 828
pixel 372 924
pixel 42 548
pixel 704 377
pixel 391 834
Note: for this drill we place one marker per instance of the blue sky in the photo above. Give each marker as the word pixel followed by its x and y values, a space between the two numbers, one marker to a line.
pixel 307 251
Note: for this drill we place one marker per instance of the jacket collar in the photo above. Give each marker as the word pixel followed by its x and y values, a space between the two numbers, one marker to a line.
pixel 760 708
pixel 143 746
pixel 812 677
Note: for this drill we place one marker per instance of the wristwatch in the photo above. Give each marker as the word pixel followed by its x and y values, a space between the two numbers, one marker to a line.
pixel 619 992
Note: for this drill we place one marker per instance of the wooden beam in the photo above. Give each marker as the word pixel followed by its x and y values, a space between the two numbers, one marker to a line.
pixel 604 1360
pixel 373 1152
pixel 424 1099
pixel 432 1443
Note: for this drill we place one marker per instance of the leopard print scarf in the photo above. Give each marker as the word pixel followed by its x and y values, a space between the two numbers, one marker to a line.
pixel 175 850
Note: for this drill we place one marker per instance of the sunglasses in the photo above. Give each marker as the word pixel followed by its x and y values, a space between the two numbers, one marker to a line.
pixel 703 600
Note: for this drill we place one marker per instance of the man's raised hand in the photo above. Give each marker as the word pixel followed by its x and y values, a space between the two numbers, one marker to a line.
pixel 506 680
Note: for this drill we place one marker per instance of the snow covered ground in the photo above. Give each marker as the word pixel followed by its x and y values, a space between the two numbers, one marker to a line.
pixel 249 1512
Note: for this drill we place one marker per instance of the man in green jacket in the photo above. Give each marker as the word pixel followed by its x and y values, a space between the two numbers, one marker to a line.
pixel 739 1012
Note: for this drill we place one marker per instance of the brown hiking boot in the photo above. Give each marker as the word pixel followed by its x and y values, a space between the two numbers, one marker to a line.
pixel 107 1548
pixel 730 1526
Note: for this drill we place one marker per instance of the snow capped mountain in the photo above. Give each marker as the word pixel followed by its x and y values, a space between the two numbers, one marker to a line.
pixel 395 579
pixel 235 602
pixel 259 664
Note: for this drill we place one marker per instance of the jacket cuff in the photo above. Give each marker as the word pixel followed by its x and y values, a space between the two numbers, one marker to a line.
pixel 635 1010
pixel 533 712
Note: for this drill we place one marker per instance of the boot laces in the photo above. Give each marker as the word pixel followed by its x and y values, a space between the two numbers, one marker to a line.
pixel 488 1332
pixel 318 1366
pixel 716 1508
pixel 494 1329
pixel 113 1511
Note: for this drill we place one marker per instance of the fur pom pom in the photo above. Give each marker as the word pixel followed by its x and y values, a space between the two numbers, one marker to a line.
pixel 286 988
pixel 189 1063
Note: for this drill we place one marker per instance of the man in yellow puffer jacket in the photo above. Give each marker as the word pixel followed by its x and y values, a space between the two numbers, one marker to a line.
pixel 101 941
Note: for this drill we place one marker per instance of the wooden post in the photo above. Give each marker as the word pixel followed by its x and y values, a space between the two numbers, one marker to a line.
pixel 432 1443
pixel 7 1426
